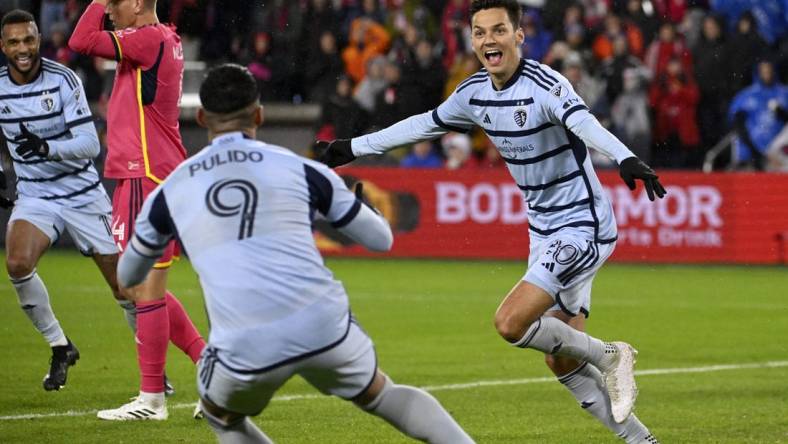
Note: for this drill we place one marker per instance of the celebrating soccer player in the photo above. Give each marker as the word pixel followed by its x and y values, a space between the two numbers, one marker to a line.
pixel 144 147
pixel 47 123
pixel 541 128
pixel 244 211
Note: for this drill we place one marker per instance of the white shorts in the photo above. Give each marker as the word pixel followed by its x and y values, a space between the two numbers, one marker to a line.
pixel 564 265
pixel 345 370
pixel 88 225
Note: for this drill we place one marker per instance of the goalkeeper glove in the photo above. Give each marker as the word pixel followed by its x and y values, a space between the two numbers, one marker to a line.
pixel 334 153
pixel 633 168
pixel 30 145
pixel 4 203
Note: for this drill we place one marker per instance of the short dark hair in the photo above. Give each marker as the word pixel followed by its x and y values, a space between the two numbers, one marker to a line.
pixel 16 16
pixel 512 8
pixel 228 88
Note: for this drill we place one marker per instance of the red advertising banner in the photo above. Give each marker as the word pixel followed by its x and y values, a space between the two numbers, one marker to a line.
pixel 705 218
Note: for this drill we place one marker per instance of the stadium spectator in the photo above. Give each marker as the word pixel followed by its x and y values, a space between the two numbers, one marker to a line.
pixel 367 40
pixel 286 315
pixel 464 66
pixel 58 187
pixel 341 116
pixel 671 11
pixel 422 155
pixel 456 150
pixel 614 29
pixel 455 31
pixel 261 65
pixel 587 87
pixel 712 68
pixel 744 48
pixel 144 147
pixel 674 97
pixel 323 66
pixel 374 82
pixel 545 310
pixel 629 114
pixel 390 105
pixel 537 39
pixel 667 46
pixel 613 69
pixel 753 113
pixel 422 79
pixel 643 17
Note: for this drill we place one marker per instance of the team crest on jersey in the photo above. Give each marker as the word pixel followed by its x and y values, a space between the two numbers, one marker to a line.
pixel 47 103
pixel 565 254
pixel 519 117
pixel 559 91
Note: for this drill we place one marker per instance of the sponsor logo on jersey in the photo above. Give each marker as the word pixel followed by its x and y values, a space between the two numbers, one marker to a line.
pixel 520 116
pixel 570 102
pixel 133 165
pixel 47 103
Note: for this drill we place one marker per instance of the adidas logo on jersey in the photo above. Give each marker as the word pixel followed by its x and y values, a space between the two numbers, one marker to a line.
pixel 5 110
pixel 487 119
pixel 550 266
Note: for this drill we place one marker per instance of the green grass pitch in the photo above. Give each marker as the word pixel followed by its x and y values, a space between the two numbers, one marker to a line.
pixel 432 325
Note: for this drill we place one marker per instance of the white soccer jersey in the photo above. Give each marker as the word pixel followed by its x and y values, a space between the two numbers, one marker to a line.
pixel 53 106
pixel 538 123
pixel 243 211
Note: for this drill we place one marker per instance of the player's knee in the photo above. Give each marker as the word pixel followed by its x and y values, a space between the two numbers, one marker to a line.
pixel 19 265
pixel 509 327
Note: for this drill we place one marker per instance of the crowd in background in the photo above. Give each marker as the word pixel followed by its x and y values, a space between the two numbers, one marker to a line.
pixel 670 78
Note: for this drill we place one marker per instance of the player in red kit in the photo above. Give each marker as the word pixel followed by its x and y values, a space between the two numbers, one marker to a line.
pixel 144 147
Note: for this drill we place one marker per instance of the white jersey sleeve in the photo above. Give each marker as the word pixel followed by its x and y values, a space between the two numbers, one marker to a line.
pixel 83 143
pixel 448 116
pixel 566 107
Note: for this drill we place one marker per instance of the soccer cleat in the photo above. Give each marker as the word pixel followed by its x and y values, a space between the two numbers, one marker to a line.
pixel 136 410
pixel 198 413
pixel 619 372
pixel 63 356
pixel 169 390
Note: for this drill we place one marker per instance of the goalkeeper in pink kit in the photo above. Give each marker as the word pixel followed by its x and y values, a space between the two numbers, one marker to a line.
pixel 144 146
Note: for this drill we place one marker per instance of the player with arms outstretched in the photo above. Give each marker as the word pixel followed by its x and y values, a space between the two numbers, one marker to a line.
pixel 244 210
pixel 541 128
pixel 49 131
pixel 144 146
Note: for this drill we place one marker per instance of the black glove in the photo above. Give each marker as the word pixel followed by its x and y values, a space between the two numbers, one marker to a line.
pixel 334 153
pixel 30 145
pixel 359 190
pixel 633 168
pixel 4 203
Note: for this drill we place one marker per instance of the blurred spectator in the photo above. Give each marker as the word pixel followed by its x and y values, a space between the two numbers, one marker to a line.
pixel 553 15
pixel 466 65
pixel 613 68
pixel 753 113
pixel 367 40
pixel 771 15
pixel 777 152
pixel 260 65
pixel 422 155
pixel 667 46
pixel 341 117
pixel 671 10
pixel 587 87
pixel 422 80
pixel 323 66
pixel 389 104
pixel 744 48
pixel 614 28
pixel 457 150
pixel 691 27
pixel 53 14
pixel 674 97
pixel 594 12
pixel 537 39
pixel 712 66
pixel 55 47
pixel 455 30
pixel 629 114
pixel 374 82
pixel 282 20
pixel 642 15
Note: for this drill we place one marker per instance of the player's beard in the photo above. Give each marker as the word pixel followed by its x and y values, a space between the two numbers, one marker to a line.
pixel 35 64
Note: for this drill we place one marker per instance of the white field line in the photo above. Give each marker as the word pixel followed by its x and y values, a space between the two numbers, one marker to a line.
pixel 446 387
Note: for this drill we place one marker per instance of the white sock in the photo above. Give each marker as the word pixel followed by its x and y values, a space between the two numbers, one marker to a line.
pixel 587 386
pixel 154 399
pixel 554 337
pixel 130 312
pixel 417 414
pixel 34 299
pixel 242 432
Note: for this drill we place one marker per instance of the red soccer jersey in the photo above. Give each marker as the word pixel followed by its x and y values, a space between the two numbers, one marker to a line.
pixel 142 119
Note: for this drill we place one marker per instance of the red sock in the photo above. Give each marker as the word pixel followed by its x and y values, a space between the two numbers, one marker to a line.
pixel 152 327
pixel 183 333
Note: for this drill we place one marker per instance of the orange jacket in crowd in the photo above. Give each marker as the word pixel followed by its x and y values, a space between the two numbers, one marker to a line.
pixel 367 40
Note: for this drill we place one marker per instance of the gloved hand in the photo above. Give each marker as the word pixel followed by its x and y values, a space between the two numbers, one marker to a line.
pixel 30 145
pixel 359 190
pixel 334 153
pixel 4 203
pixel 633 168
